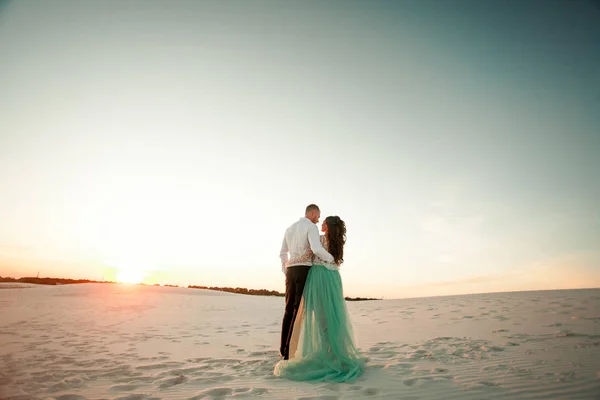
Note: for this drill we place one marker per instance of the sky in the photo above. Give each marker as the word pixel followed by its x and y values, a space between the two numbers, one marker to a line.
pixel 175 141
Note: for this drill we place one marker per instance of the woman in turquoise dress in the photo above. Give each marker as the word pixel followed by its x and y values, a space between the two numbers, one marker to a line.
pixel 322 346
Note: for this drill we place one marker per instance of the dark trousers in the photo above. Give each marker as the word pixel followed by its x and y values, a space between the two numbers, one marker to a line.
pixel 295 278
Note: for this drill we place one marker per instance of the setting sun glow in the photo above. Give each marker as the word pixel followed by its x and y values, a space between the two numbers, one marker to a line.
pixel 128 272
pixel 130 276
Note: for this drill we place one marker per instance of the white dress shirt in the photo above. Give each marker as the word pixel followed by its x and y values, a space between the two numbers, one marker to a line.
pixel 302 242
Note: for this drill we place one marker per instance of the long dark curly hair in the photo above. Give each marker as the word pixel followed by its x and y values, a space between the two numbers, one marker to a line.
pixel 336 236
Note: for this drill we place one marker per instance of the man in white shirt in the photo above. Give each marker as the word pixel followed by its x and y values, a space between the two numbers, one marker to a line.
pixel 301 241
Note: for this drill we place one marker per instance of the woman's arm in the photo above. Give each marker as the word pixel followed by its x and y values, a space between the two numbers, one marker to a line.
pixel 315 245
pixel 329 265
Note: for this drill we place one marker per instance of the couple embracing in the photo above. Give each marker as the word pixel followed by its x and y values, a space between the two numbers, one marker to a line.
pixel 317 341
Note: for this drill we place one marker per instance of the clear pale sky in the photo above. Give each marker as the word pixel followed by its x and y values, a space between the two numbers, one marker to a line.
pixel 176 140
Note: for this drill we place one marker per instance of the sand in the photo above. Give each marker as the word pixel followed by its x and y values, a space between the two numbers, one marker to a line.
pixel 112 341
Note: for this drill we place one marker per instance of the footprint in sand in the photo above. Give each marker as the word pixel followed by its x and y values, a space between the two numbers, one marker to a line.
pixel 415 381
pixel 186 371
pixel 400 368
pixel 136 379
pixel 123 388
pixel 370 392
pixel 334 387
pixel 171 364
pixel 168 383
pixel 197 360
pixel 214 392
pixel 263 353
pixel 554 325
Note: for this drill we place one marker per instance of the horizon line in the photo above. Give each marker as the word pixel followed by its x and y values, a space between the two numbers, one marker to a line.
pixel 188 286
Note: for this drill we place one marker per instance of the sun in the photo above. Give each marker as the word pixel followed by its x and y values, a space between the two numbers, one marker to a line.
pixel 130 276
pixel 128 271
pixel 133 269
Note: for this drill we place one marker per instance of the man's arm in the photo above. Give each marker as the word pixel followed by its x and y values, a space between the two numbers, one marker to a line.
pixel 315 245
pixel 283 254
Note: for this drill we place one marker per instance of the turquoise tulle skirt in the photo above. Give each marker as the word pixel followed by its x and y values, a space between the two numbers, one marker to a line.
pixel 322 347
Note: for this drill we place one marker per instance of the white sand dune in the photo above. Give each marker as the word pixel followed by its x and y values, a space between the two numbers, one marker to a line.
pixel 109 341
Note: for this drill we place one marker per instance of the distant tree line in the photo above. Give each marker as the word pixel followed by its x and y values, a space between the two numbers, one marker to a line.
pixel 361 298
pixel 262 292
pixel 238 290
pixel 48 281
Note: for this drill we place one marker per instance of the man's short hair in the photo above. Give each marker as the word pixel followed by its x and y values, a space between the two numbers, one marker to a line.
pixel 312 207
